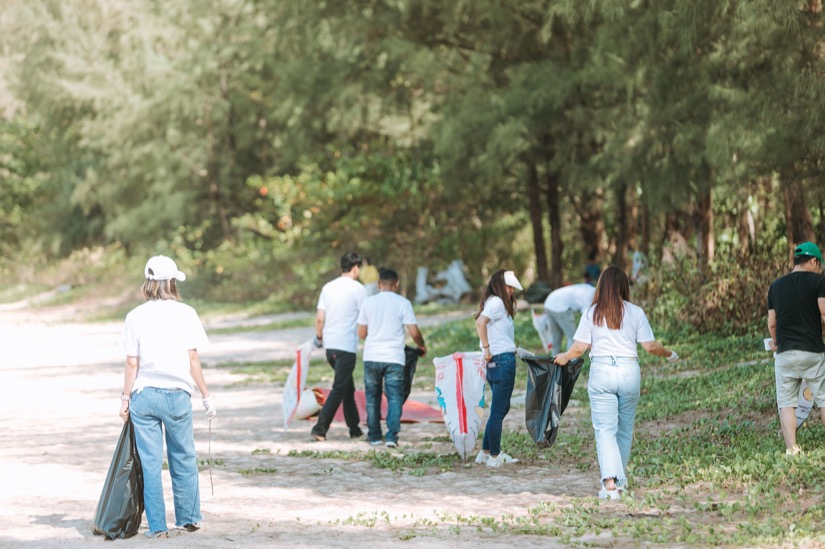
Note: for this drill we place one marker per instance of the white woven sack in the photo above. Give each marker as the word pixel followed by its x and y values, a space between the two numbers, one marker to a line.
pixel 307 405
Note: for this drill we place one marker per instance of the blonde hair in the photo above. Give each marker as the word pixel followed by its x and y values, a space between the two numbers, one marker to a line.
pixel 160 289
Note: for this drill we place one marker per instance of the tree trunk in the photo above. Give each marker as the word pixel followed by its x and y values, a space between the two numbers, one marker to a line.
pixel 705 225
pixel 633 218
pixel 556 245
pixel 213 177
pixel 536 214
pixel 622 226
pixel 746 229
pixel 797 217
pixel 589 206
pixel 821 221
pixel 645 228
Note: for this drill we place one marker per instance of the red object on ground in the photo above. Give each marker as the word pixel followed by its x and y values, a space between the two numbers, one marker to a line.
pixel 412 412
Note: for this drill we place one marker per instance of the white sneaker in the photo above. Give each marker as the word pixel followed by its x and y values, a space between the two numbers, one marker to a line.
pixel 793 450
pixel 609 494
pixel 500 460
pixel 482 457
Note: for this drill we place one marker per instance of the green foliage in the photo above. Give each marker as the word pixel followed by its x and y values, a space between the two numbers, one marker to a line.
pixel 728 296
pixel 408 131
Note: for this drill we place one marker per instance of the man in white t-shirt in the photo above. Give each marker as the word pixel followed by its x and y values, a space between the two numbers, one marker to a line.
pixel 335 329
pixel 561 307
pixel 381 324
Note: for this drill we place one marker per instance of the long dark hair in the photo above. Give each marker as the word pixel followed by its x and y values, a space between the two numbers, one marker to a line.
pixel 497 287
pixel 612 291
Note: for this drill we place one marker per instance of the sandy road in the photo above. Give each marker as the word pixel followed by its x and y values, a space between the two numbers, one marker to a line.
pixel 59 387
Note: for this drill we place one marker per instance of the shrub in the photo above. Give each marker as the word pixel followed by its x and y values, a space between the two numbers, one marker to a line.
pixel 728 296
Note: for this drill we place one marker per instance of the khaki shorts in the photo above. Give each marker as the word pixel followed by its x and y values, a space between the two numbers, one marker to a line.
pixel 791 368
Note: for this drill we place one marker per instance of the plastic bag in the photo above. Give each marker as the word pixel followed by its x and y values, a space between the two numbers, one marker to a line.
pixel 460 380
pixel 307 405
pixel 296 382
pixel 411 355
pixel 120 508
pixel 549 387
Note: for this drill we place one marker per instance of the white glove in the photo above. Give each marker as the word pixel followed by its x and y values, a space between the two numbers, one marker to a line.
pixel 318 342
pixel 209 406
pixel 673 357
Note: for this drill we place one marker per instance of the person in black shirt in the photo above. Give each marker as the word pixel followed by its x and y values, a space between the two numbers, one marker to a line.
pixel 796 312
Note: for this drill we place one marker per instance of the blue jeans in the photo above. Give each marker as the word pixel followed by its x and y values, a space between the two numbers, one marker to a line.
pixel 152 411
pixel 614 387
pixel 343 391
pixel 393 377
pixel 501 375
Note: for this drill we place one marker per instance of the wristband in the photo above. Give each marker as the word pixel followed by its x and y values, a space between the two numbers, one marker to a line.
pixel 486 346
pixel 124 396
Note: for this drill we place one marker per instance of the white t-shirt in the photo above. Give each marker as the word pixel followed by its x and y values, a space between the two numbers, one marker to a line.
pixel 161 333
pixel 385 315
pixel 577 297
pixel 622 342
pixel 501 332
pixel 341 300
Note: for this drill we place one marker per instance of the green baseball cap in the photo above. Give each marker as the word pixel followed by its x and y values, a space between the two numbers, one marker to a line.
pixel 808 248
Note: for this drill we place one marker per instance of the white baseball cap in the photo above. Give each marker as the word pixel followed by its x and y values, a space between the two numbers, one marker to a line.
pixel 161 267
pixel 511 280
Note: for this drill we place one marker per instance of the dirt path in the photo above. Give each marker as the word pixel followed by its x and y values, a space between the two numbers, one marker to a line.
pixel 59 397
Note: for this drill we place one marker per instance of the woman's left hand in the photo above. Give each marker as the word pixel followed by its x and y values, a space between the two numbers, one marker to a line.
pixel 561 359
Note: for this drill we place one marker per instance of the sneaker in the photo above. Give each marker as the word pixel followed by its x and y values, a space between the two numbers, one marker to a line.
pixel 391 444
pixel 378 442
pixel 610 494
pixel 356 434
pixel 482 457
pixel 500 460
pixel 793 450
pixel 162 534
pixel 192 527
pixel 317 438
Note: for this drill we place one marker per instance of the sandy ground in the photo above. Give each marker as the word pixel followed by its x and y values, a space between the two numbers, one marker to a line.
pixel 59 398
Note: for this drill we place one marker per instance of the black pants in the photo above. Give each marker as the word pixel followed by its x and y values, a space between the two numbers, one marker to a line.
pixel 343 389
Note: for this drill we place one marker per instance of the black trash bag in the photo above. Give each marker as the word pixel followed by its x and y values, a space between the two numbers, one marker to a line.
pixel 120 508
pixel 549 387
pixel 411 355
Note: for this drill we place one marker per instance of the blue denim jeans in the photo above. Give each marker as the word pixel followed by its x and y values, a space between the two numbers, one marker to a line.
pixel 614 387
pixel 343 391
pixel 501 375
pixel 393 378
pixel 154 411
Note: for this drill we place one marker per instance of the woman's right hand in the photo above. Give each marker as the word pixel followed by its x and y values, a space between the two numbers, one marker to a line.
pixel 488 356
pixel 124 410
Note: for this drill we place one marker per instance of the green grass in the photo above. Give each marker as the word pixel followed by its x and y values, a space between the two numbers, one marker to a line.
pixel 305 322
pixel 708 466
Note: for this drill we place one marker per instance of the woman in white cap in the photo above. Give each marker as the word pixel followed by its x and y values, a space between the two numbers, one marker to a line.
pixel 161 339
pixel 496 332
